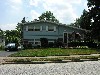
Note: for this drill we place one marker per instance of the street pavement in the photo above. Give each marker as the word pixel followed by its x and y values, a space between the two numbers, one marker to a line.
pixel 72 68
pixel 5 53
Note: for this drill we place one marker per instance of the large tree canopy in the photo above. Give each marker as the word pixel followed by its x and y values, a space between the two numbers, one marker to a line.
pixel 83 22
pixel 94 13
pixel 12 36
pixel 48 16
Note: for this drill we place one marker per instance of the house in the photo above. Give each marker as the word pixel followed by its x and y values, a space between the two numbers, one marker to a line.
pixel 33 31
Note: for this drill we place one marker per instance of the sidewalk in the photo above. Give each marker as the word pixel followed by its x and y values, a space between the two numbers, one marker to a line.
pixel 3 59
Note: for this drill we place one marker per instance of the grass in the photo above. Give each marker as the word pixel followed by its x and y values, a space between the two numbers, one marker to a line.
pixel 53 52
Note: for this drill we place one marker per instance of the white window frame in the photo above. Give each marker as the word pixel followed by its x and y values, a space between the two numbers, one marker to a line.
pixel 54 28
pixel 40 28
pixel 46 28
pixel 37 41
pixel 26 28
pixel 50 41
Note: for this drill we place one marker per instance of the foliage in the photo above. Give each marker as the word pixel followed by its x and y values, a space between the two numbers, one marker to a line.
pixel 1 47
pixel 51 44
pixel 44 42
pixel 89 44
pixel 83 22
pixel 23 20
pixel 90 19
pixel 48 16
pixel 58 43
pixel 12 36
pixel 94 13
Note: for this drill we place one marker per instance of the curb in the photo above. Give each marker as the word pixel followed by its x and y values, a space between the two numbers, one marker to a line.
pixel 43 62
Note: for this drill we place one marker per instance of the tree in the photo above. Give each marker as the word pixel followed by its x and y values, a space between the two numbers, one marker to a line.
pixel 48 16
pixel 94 13
pixel 23 21
pixel 83 22
pixel 11 36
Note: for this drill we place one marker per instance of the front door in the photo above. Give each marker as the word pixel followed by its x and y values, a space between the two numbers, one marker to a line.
pixel 65 38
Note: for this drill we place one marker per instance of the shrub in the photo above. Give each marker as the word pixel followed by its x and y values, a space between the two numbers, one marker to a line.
pixel 75 44
pixel 44 42
pixel 1 47
pixel 83 44
pixel 92 44
pixel 51 44
pixel 29 46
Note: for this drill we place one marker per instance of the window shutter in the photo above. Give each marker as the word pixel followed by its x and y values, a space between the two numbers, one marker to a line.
pixel 54 28
pixel 46 28
pixel 40 28
pixel 26 28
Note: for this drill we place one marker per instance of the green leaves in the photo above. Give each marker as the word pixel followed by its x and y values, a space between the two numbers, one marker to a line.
pixel 48 16
pixel 12 36
pixel 94 13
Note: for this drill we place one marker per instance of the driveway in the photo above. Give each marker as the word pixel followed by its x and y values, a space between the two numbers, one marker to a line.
pixel 5 53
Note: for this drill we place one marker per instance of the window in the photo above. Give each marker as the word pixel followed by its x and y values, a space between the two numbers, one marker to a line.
pixel 33 28
pixel 30 28
pixel 51 28
pixel 51 41
pixel 37 42
pixel 37 28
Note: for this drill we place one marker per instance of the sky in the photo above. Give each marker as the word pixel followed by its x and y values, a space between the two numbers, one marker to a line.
pixel 13 11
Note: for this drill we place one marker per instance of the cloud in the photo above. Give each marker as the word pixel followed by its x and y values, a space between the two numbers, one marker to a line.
pixel 34 14
pixel 34 2
pixel 8 26
pixel 64 10
pixel 15 7
pixel 16 1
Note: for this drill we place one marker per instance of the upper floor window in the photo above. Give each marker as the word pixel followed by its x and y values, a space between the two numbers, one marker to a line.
pixel 51 28
pixel 37 28
pixel 30 28
pixel 33 28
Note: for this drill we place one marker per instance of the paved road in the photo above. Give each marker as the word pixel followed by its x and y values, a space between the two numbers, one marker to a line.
pixel 5 53
pixel 73 68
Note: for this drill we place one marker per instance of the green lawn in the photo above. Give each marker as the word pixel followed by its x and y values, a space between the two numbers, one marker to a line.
pixel 53 52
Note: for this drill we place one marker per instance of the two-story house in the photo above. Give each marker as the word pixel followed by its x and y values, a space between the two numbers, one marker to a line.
pixel 34 30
